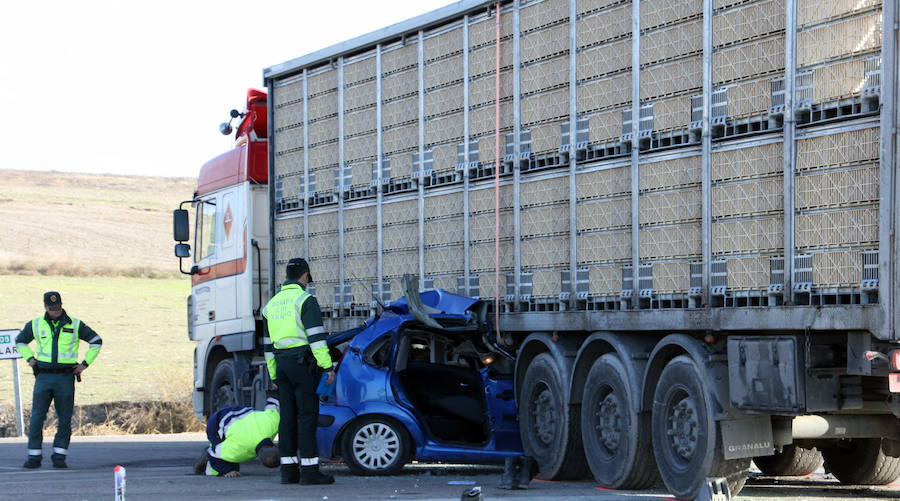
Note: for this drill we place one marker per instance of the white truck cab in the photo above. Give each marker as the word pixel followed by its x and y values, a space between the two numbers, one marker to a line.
pixel 229 274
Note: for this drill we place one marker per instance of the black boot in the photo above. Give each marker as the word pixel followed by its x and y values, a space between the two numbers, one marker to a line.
pixel 290 473
pixel 33 462
pixel 310 475
pixel 59 461
pixel 200 465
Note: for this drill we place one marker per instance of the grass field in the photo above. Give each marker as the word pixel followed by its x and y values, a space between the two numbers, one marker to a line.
pixel 146 354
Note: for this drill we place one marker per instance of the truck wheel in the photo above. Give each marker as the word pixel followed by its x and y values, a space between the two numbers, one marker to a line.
pixel 376 445
pixel 791 461
pixel 616 438
pixel 550 433
pixel 861 461
pixel 221 387
pixel 685 440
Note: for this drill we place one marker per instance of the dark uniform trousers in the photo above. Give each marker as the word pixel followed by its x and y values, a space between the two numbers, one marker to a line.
pixel 298 378
pixel 59 387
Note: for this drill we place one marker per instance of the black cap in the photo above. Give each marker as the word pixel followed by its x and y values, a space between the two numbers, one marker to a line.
pixel 52 300
pixel 297 266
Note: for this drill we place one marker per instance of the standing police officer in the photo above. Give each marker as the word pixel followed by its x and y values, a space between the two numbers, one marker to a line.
pixel 55 366
pixel 297 335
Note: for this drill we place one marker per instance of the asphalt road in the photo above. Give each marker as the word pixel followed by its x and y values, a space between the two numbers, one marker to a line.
pixel 159 468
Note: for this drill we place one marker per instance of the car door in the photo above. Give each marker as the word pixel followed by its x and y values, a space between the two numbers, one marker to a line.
pixel 499 394
pixel 363 372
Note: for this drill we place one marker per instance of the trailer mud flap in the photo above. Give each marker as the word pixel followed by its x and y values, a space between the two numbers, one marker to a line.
pixel 745 438
pixel 764 373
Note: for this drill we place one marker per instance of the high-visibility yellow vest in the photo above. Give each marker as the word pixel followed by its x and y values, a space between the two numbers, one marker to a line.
pixel 282 314
pixel 285 325
pixel 66 343
pixel 286 329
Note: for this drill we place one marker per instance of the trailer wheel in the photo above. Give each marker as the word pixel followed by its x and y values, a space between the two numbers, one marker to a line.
pixel 861 461
pixel 685 440
pixel 221 387
pixel 616 438
pixel 550 432
pixel 791 461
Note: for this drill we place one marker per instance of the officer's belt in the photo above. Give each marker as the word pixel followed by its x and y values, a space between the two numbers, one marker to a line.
pixel 66 370
pixel 303 353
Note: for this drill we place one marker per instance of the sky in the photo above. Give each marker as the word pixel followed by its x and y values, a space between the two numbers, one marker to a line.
pixel 140 87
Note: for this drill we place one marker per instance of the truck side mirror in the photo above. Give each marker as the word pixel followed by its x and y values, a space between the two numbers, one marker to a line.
pixel 182 250
pixel 182 230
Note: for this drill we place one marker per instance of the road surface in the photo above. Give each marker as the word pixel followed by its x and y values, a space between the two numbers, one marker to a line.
pixel 159 468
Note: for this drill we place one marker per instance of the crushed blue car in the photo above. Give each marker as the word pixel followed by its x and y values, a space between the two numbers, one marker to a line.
pixel 423 382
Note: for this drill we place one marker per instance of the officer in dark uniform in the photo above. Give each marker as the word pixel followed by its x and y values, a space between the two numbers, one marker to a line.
pixel 55 365
pixel 297 355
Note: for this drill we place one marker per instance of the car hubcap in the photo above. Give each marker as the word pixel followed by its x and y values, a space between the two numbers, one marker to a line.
pixel 683 428
pixel 376 445
pixel 543 413
pixel 609 419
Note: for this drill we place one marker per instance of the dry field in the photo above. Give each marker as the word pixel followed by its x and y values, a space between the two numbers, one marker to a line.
pixel 105 242
pixel 55 223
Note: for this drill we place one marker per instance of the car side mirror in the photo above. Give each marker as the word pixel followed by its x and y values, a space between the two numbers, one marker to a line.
pixel 181 227
pixel 182 250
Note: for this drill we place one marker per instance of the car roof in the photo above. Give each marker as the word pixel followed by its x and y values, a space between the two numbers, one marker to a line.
pixel 449 310
pixel 438 301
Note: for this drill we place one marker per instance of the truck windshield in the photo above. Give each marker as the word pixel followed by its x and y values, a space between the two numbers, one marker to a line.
pixel 206 232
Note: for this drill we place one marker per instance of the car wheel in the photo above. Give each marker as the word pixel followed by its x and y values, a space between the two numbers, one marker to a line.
pixel 376 445
pixel 792 461
pixel 685 437
pixel 551 434
pixel 861 461
pixel 221 387
pixel 616 438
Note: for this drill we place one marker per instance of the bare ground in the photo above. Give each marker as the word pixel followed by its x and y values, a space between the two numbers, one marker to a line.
pixel 55 223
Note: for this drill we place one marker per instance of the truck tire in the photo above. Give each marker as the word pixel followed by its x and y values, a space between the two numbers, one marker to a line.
pixel 792 461
pixel 616 439
pixel 550 432
pixel 221 386
pixel 861 461
pixel 376 445
pixel 686 443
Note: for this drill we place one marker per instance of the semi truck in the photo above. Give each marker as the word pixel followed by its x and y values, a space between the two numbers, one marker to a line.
pixel 681 214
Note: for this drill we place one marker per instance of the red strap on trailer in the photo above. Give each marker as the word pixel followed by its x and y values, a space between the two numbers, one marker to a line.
pixel 497 182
